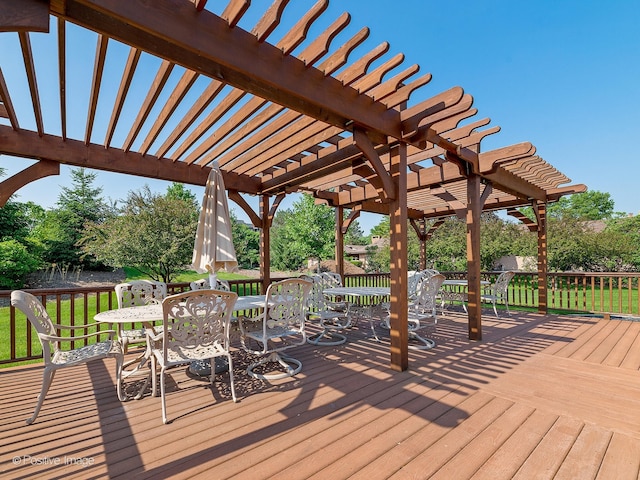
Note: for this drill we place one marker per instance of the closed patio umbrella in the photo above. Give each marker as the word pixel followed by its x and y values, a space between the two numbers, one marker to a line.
pixel 213 247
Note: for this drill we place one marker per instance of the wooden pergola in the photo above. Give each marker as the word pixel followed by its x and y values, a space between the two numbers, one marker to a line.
pixel 295 114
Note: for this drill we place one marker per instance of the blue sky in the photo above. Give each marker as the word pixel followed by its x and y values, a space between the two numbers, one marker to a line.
pixel 562 75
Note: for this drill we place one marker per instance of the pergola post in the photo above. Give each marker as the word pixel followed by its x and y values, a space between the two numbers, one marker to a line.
pixel 423 244
pixel 474 209
pixel 339 253
pixel 540 209
pixel 398 268
pixel 265 243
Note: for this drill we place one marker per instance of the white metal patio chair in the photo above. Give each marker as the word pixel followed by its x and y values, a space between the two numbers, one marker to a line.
pixel 332 317
pixel 195 328
pixel 204 284
pixel 54 357
pixel 498 291
pixel 414 280
pixel 422 312
pixel 134 294
pixel 279 327
pixel 331 279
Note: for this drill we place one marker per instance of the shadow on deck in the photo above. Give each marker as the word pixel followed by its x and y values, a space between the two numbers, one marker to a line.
pixel 539 397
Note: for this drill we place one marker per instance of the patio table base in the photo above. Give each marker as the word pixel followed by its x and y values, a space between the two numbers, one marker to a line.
pixel 202 368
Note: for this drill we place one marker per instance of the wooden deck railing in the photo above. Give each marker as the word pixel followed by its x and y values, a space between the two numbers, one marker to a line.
pixel 605 293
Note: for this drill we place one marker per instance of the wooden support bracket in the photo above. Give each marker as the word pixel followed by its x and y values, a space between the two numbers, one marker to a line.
pixel 387 190
pixel 43 168
pixel 242 203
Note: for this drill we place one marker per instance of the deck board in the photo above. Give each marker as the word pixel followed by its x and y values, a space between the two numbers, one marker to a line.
pixel 538 397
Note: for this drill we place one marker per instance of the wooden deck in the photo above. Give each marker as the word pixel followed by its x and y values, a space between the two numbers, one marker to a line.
pixel 540 397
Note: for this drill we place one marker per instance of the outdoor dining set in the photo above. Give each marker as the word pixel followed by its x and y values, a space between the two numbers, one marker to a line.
pixel 198 327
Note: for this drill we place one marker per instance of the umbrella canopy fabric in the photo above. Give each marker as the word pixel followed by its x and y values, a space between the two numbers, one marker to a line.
pixel 213 247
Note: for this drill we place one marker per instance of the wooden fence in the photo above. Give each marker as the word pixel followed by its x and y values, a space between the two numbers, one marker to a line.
pixel 575 292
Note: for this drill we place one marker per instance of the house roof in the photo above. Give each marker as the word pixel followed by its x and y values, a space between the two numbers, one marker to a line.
pixel 278 115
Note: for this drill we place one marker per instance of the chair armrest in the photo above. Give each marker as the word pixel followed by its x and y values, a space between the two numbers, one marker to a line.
pixel 77 327
pixel 152 335
pixel 55 338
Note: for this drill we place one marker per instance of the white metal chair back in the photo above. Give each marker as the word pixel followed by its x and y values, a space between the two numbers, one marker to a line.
pixel 134 294
pixel 54 357
pixel 287 302
pixel 140 292
pixel 333 317
pixel 414 280
pixel 430 271
pixel 502 283
pixel 425 302
pixel 280 326
pixel 316 299
pixel 331 279
pixel 196 326
pixel 37 315
pixel 204 284
pixel 499 291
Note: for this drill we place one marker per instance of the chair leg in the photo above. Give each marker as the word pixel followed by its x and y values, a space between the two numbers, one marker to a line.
pixel 275 358
pixel 427 342
pixel 162 395
pixel 233 388
pixel 47 378
pixel 154 377
pixel 331 338
pixel 495 310
pixel 119 380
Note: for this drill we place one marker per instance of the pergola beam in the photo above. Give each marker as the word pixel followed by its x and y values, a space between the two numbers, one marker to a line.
pixel 24 16
pixel 74 152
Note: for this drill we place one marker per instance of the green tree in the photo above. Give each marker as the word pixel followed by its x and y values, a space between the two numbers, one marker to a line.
pixel 382 229
pixel 618 244
pixel 447 247
pixel 63 227
pixel 246 241
pixel 379 258
pixel 590 205
pixel 306 231
pixel 179 191
pixel 355 235
pixel 154 234
pixel 17 220
pixel 569 247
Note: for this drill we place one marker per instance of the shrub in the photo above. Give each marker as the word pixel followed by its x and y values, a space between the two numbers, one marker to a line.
pixel 15 264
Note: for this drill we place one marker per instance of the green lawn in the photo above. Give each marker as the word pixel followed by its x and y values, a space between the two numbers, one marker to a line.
pixel 184 276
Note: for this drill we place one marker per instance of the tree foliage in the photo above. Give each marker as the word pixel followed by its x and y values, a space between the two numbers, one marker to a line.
pixel 154 234
pixel 246 241
pixel 17 220
pixel 16 262
pixel 63 227
pixel 303 232
pixel 446 250
pixel 590 205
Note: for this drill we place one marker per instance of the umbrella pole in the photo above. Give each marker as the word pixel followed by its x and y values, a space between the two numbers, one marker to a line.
pixel 213 278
